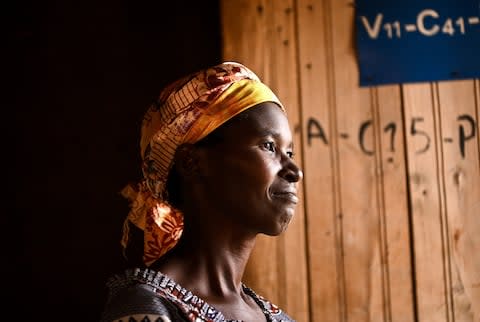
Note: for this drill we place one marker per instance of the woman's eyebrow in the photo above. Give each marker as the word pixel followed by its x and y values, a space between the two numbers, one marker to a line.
pixel 266 131
pixel 263 133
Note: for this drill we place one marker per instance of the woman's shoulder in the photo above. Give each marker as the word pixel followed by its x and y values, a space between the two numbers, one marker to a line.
pixel 130 299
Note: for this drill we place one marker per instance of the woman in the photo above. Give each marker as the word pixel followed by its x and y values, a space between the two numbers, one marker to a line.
pixel 218 170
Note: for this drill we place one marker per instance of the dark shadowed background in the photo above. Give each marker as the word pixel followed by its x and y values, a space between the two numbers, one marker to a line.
pixel 84 73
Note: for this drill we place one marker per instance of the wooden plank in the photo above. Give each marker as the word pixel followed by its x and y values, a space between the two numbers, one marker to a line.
pixel 477 107
pixel 265 41
pixel 425 200
pixel 245 42
pixel 320 164
pixel 363 267
pixel 461 180
pixel 393 204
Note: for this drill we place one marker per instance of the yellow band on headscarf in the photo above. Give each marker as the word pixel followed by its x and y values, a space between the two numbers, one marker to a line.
pixel 187 111
pixel 237 98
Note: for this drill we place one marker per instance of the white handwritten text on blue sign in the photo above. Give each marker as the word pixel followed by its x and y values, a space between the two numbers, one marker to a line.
pixel 417 41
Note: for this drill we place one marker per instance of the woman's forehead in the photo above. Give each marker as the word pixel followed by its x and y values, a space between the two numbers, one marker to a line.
pixel 264 110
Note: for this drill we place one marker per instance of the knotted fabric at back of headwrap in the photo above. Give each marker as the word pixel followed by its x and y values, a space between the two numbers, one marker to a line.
pixel 186 111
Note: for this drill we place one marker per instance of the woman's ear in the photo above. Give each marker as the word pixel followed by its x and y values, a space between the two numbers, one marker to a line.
pixel 186 160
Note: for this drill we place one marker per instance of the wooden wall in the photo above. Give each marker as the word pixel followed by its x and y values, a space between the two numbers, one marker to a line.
pixel 389 226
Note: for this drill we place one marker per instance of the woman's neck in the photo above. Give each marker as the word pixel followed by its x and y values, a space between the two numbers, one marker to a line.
pixel 210 267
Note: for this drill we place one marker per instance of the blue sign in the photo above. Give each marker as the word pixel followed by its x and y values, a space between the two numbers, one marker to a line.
pixel 417 40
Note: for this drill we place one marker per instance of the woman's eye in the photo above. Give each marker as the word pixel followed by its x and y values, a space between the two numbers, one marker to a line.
pixel 270 146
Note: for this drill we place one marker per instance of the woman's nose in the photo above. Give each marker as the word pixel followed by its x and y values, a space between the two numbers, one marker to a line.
pixel 290 171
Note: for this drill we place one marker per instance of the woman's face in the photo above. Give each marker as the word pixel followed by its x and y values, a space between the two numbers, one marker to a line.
pixel 251 175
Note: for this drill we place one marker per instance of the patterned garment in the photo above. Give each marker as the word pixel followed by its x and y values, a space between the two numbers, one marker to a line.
pixel 146 295
pixel 186 111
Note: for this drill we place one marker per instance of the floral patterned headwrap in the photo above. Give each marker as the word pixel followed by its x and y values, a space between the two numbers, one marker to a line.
pixel 185 112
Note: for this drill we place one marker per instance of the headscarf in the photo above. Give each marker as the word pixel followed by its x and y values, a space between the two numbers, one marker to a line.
pixel 186 111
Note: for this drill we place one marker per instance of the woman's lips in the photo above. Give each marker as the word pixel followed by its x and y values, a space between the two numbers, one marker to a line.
pixel 288 196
